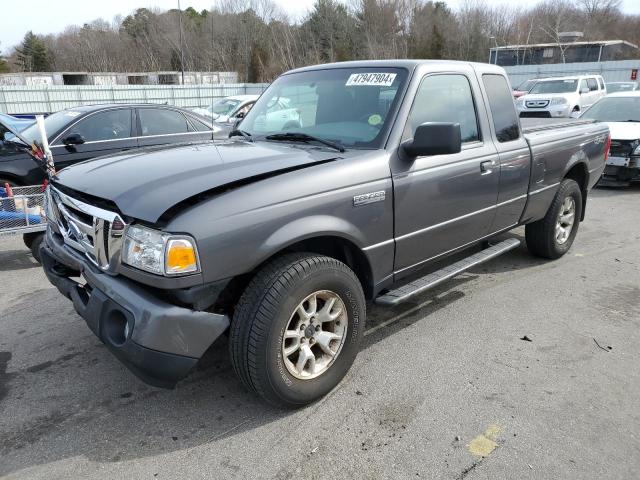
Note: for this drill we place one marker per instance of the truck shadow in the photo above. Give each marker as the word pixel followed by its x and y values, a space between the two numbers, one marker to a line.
pixel 84 403
pixel 16 260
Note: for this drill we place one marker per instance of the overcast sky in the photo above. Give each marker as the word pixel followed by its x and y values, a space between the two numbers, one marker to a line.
pixel 48 16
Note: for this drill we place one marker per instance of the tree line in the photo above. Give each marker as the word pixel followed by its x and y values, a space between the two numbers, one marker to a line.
pixel 259 41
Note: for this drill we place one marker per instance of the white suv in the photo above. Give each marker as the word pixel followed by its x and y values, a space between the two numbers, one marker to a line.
pixel 561 96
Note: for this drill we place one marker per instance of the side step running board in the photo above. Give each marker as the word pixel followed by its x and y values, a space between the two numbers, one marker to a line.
pixel 405 292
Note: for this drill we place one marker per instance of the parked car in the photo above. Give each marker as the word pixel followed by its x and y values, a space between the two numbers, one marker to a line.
pixel 621 112
pixel 80 133
pixel 16 123
pixel 227 109
pixel 280 237
pixel 524 88
pixel 561 96
pixel 615 87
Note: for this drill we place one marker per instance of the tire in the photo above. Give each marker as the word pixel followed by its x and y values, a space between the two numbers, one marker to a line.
pixel 269 307
pixel 34 244
pixel 541 236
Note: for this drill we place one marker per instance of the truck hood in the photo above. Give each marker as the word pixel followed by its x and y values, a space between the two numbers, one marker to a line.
pixel 546 96
pixel 624 130
pixel 146 184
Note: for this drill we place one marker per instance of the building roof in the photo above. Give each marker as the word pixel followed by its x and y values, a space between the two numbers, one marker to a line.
pixel 565 44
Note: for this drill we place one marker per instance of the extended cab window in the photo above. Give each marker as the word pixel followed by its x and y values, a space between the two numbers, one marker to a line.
pixel 505 120
pixel 601 83
pixel 109 125
pixel 155 121
pixel 444 98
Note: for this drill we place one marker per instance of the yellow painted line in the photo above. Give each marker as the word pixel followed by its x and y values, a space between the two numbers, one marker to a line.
pixel 484 444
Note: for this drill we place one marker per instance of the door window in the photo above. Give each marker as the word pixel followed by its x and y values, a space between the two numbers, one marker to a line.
pixel 109 125
pixel 503 111
pixel 444 98
pixel 583 85
pixel 593 84
pixel 155 121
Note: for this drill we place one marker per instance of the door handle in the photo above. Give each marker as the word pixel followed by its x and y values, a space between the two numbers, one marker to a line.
pixel 486 167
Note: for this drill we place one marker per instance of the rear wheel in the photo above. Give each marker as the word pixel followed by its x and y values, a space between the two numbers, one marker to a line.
pixel 297 328
pixel 552 236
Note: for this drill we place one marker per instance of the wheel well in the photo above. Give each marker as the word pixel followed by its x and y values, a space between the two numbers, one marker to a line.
pixel 580 174
pixel 335 247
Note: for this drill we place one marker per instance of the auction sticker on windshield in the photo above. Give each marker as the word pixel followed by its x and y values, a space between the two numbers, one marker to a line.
pixel 371 79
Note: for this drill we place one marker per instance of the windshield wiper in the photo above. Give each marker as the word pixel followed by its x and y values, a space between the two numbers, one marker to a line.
pixel 304 137
pixel 241 133
pixel 632 121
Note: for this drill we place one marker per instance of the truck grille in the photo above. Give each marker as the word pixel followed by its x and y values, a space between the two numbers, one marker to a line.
pixel 536 103
pixel 92 231
pixel 544 114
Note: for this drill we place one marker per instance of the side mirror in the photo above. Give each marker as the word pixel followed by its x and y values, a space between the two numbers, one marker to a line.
pixel 434 138
pixel 240 115
pixel 584 90
pixel 73 139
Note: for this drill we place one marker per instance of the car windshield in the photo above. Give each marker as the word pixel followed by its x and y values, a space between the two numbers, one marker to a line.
pixel 615 109
pixel 526 85
pixel 620 87
pixel 555 86
pixel 350 106
pixel 52 124
pixel 224 106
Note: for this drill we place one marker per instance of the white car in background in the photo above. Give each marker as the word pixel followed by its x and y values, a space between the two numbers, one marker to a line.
pixel 561 96
pixel 227 110
pixel 615 87
pixel 621 111
pixel 279 116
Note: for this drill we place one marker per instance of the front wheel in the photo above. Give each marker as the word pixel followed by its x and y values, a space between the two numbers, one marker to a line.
pixel 552 236
pixel 297 328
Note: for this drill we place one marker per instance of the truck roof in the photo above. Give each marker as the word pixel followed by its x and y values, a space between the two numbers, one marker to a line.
pixel 404 63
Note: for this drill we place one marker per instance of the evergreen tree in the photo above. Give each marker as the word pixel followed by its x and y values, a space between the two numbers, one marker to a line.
pixel 32 54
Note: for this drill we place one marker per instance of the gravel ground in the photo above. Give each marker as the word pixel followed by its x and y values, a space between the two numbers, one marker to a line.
pixel 444 387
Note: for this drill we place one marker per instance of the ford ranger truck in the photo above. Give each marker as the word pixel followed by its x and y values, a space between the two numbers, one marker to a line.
pixel 281 237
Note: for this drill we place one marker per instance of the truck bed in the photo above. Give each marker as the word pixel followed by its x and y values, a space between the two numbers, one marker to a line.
pixel 531 125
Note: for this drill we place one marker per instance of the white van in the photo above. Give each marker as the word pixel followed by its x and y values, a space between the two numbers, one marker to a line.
pixel 561 96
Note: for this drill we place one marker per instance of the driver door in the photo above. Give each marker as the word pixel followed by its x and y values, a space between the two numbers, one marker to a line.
pixel 103 133
pixel 444 202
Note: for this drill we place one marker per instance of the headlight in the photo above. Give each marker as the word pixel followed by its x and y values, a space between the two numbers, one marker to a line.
pixel 159 253
pixel 636 151
pixel 519 101
pixel 559 101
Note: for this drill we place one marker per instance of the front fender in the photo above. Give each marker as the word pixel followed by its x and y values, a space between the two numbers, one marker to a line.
pixel 310 227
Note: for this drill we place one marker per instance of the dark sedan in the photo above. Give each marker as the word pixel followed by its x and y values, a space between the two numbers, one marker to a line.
pixel 81 133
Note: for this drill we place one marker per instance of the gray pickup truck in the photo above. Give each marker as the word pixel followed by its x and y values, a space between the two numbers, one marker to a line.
pixel 280 236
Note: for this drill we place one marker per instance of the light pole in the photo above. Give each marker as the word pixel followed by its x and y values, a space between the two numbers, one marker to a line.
pixel 181 46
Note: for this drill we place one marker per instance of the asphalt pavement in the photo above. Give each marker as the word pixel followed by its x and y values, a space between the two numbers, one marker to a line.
pixel 521 368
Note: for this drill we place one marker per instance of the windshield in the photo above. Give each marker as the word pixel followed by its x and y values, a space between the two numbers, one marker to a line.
pixel 555 86
pixel 224 106
pixel 525 86
pixel 350 106
pixel 620 87
pixel 615 109
pixel 52 124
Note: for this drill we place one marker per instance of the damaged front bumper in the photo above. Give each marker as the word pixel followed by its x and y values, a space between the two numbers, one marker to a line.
pixel 158 341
